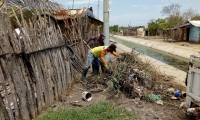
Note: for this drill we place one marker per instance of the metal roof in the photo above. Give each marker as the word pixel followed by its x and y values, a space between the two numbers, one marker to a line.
pixel 70 13
pixel 187 24
pixel 74 13
pixel 195 23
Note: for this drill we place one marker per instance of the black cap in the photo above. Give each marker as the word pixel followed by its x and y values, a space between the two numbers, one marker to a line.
pixel 113 47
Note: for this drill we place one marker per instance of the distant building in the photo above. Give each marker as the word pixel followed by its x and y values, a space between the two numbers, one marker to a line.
pixel 190 31
pixel 141 32
pixel 129 31
pixel 121 32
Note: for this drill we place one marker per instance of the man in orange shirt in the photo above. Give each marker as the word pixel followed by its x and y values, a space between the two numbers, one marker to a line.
pixel 95 53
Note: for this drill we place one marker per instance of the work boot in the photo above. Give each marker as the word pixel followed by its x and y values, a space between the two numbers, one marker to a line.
pixel 95 70
pixel 83 78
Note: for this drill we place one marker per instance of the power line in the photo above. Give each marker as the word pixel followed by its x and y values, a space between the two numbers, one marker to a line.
pixel 89 4
pixel 170 2
pixel 139 20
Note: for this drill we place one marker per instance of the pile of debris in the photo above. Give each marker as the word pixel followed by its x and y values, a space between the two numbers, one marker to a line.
pixel 136 79
pixel 142 82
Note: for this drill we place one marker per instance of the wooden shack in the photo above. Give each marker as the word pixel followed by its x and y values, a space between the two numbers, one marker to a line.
pixel 190 31
pixel 42 60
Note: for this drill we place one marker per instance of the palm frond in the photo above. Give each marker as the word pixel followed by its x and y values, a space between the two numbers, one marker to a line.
pixel 29 8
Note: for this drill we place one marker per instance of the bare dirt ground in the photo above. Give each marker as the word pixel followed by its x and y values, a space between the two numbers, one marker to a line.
pixel 144 109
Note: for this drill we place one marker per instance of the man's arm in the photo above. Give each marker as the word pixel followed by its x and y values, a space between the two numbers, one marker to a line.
pixel 102 58
pixel 90 38
pixel 114 53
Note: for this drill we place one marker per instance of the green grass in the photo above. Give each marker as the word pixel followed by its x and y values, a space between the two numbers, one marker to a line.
pixel 100 111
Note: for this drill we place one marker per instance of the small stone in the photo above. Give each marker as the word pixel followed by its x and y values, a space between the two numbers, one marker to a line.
pixel 128 109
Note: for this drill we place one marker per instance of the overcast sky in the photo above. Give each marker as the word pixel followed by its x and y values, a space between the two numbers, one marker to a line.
pixel 130 12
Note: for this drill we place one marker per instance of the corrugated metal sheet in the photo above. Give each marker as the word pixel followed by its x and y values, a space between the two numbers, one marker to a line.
pixel 184 25
pixel 195 23
pixel 64 14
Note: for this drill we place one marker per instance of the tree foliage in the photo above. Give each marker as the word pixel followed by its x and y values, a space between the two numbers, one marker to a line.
pixel 114 28
pixel 174 15
pixel 189 14
pixel 157 26
pixel 172 9
pixel 197 17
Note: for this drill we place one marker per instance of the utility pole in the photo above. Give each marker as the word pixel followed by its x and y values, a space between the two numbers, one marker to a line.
pixel 98 10
pixel 148 32
pixel 118 27
pixel 106 10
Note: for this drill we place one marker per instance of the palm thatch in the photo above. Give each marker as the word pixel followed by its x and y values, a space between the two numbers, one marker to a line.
pixel 28 8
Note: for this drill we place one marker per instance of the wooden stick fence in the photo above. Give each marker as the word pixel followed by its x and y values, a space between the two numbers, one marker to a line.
pixel 38 65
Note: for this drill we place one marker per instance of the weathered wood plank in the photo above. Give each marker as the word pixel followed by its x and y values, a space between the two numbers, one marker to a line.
pixel 63 71
pixel 3 82
pixel 49 80
pixel 54 74
pixel 30 92
pixel 58 73
pixel 46 78
pixel 21 89
pixel 4 39
pixel 3 112
pixel 36 88
pixel 39 82
pixel 10 77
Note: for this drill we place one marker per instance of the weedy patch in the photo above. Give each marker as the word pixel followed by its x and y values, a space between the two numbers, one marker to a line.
pixel 102 110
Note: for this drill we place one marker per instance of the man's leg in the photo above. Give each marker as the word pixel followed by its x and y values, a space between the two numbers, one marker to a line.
pixel 102 67
pixel 85 69
pixel 95 66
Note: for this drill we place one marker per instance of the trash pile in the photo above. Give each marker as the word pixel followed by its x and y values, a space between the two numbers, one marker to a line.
pixel 141 81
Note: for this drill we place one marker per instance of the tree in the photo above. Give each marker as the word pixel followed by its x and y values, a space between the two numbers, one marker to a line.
pixel 157 26
pixel 175 17
pixel 113 28
pixel 197 17
pixel 175 20
pixel 173 13
pixel 152 27
pixel 188 14
pixel 172 9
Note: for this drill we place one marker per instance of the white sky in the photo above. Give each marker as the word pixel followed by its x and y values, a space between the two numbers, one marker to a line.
pixel 130 12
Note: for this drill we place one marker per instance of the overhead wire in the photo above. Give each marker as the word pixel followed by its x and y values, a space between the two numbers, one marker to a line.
pixel 89 4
